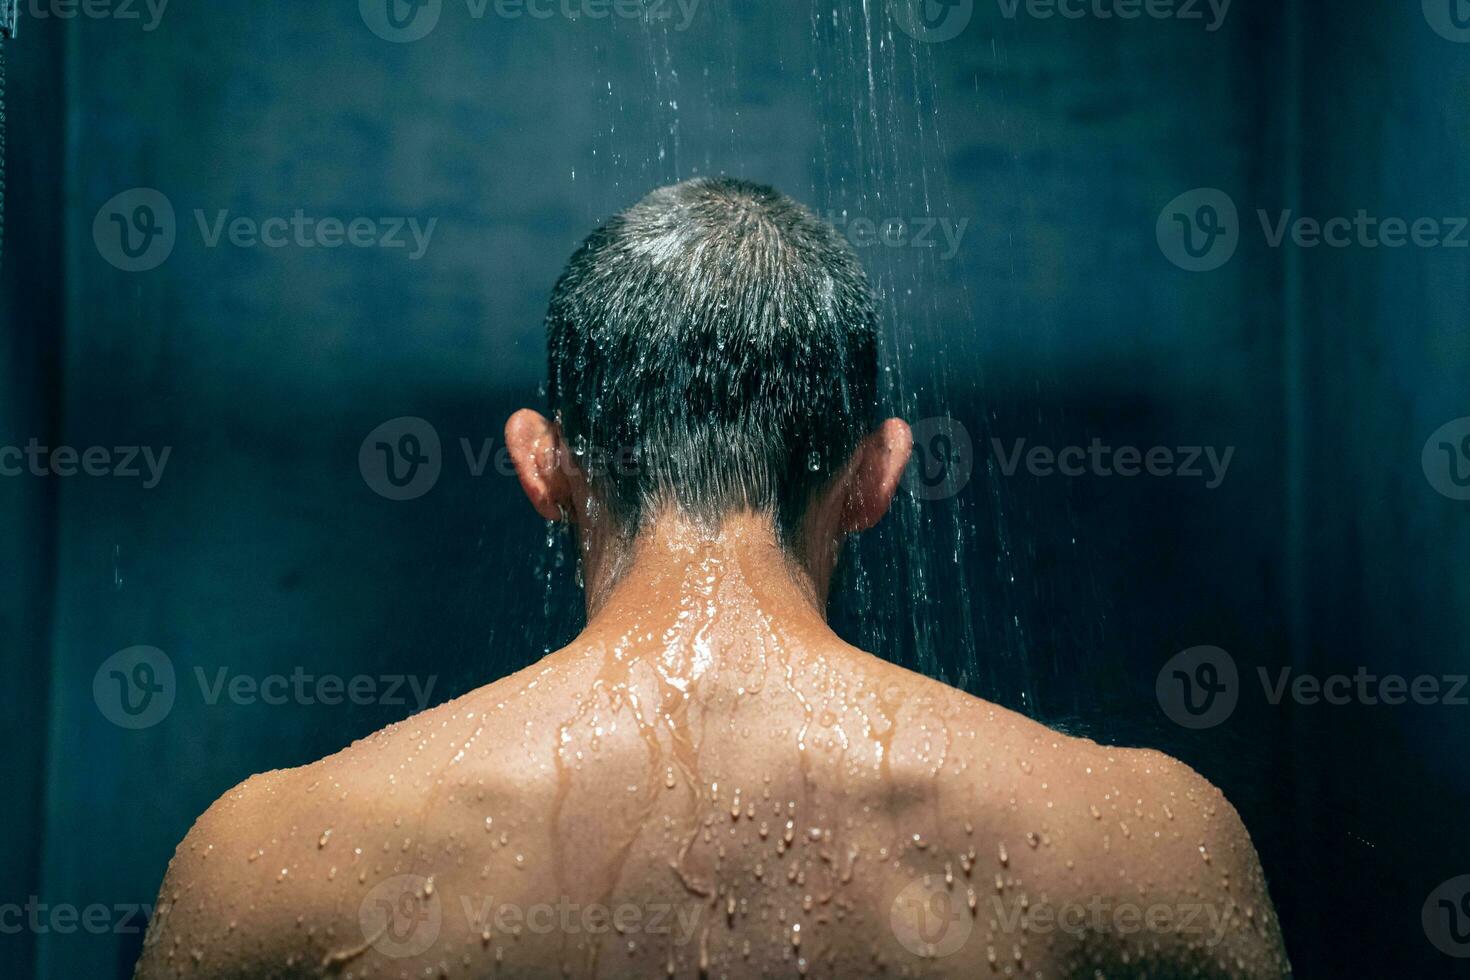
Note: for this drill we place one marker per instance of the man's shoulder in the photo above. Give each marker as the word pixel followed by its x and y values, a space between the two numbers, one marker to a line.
pixel 1117 805
pixel 1120 856
pixel 276 868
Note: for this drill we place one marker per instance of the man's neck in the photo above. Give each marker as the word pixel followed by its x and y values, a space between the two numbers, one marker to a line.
pixel 676 564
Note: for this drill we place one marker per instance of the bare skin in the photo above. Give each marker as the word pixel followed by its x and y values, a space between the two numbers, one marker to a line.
pixel 709 782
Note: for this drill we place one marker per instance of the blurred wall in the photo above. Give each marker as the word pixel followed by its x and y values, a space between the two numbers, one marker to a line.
pixel 30 393
pixel 1385 580
pixel 263 551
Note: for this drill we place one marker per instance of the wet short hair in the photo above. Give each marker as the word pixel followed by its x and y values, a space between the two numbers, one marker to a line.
pixel 714 348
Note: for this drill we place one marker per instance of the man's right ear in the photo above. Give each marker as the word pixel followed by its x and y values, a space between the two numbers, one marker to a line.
pixel 539 455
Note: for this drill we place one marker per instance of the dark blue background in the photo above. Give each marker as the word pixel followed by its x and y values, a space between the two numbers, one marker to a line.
pixel 1058 320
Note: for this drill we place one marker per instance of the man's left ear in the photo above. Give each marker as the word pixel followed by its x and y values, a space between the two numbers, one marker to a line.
pixel 873 474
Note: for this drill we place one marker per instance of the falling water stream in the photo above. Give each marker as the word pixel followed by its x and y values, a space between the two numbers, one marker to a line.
pixel 906 590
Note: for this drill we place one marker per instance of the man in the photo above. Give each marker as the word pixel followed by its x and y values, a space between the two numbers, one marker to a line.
pixel 708 781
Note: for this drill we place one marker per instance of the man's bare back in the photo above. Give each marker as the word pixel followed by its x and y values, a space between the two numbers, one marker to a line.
pixel 710 783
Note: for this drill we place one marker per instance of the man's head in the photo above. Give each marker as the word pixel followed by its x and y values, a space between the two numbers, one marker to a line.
pixel 712 349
